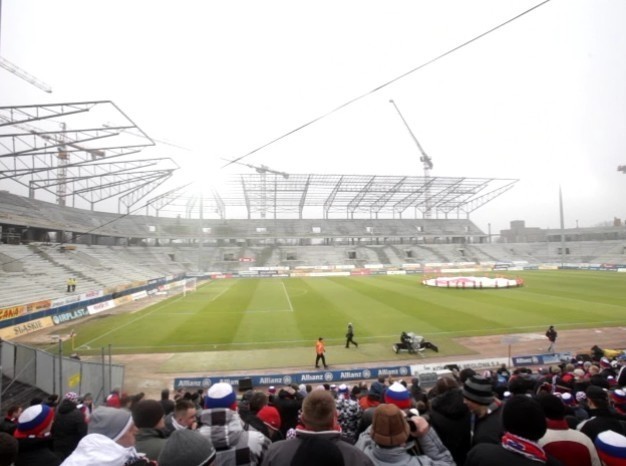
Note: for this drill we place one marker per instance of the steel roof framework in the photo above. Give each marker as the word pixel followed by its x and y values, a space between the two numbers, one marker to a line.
pixel 79 150
pixel 347 196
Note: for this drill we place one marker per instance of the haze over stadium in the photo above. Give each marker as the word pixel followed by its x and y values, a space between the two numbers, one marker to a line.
pixel 540 99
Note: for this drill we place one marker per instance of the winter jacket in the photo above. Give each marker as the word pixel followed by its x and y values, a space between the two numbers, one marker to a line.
pixel 68 428
pixel 281 453
pixel 488 454
pixel 601 419
pixel 434 453
pixel 235 446
pixel 149 442
pixel 36 452
pixel 569 446
pixel 450 418
pixel 96 449
pixel 289 409
pixel 488 429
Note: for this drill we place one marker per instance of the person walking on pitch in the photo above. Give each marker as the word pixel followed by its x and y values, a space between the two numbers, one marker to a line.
pixel 320 350
pixel 350 336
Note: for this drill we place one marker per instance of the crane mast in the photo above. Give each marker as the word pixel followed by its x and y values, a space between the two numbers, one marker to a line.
pixel 427 164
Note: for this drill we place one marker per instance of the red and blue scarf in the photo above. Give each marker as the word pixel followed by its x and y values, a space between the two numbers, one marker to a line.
pixel 524 447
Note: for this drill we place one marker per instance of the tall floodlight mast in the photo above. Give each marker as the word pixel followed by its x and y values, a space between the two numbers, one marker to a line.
pixel 427 164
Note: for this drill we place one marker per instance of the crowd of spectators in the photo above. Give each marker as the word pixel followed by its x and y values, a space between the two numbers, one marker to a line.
pixel 572 414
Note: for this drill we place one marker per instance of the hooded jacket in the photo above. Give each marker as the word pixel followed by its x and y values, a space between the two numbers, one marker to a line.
pixel 224 428
pixel 450 418
pixel 68 428
pixel 101 450
pixel 434 452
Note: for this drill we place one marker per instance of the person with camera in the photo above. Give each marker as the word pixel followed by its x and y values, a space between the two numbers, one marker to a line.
pixel 394 438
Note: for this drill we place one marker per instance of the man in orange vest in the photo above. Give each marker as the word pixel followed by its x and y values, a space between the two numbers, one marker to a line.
pixel 320 350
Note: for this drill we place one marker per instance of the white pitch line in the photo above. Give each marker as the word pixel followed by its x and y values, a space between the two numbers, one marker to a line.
pixel 287 294
pixel 219 294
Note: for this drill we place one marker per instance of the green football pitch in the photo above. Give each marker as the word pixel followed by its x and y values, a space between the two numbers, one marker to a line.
pixel 284 317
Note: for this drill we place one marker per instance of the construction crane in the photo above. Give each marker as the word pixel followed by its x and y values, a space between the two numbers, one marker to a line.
pixel 427 164
pixel 20 73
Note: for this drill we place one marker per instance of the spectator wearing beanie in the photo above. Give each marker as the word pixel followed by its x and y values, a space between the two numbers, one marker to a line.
pixel 257 400
pixel 611 448
pixel 450 417
pixel 524 424
pixel 319 423
pixel 390 440
pixel 368 403
pixel 397 394
pixel 109 441
pixel 485 418
pixel 349 414
pixel 600 416
pixel 149 418
pixel 33 437
pixel 187 448
pixel 69 426
pixel 222 425
pixel 618 401
pixel 288 405
pixel 571 447
pixel 270 417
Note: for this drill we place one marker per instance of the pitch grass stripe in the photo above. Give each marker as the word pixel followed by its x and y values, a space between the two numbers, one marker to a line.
pixel 119 327
pixel 341 341
pixel 322 308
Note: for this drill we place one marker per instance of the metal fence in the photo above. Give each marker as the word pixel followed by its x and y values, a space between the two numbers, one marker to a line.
pixel 54 373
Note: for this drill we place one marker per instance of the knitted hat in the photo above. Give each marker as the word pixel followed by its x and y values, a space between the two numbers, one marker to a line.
pixel 568 399
pixel 33 421
pixel 272 389
pixel 618 396
pixel 72 396
pixel 611 448
pixel 478 389
pixel 110 422
pixel 186 448
pixel 389 426
pixel 524 416
pixel 148 413
pixel 594 392
pixel 581 396
pixel 376 390
pixel 605 363
pixel 221 395
pixel 552 406
pixel 398 395
pixel 270 416
pixel 343 388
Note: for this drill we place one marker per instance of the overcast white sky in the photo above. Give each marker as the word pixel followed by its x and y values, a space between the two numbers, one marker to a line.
pixel 542 99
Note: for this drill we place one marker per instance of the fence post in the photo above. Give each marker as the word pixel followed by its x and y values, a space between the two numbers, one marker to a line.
pixel 60 368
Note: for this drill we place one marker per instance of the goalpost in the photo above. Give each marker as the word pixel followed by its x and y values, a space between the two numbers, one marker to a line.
pixel 183 286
